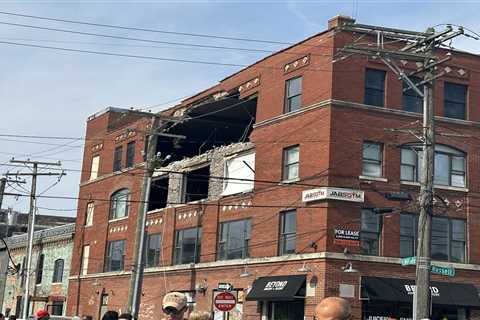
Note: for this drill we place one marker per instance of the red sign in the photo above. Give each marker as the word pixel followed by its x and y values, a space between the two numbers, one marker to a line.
pixel 224 301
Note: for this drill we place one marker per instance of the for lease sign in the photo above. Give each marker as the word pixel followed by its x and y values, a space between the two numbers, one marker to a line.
pixel 341 194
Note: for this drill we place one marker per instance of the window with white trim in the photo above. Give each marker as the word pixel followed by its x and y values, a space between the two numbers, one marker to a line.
pixel 89 217
pixel 372 159
pixel 94 167
pixel 291 163
pixel 119 204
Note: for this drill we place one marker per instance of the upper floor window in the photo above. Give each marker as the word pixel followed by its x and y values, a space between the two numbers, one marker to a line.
pixel 293 94
pixel 288 232
pixel 411 100
pixel 448 242
pixel 40 262
pixel 240 167
pixel 187 246
pixel 58 271
pixel 117 159
pixel 94 167
pixel 455 100
pixel 89 217
pixel 375 87
pixel 234 239
pixel 372 158
pixel 370 232
pixel 291 162
pixel 119 204
pixel 153 247
pixel 114 258
pixel 130 161
pixel 449 165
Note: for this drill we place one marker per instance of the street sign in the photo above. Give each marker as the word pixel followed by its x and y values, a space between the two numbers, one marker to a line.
pixel 444 271
pixel 224 301
pixel 225 286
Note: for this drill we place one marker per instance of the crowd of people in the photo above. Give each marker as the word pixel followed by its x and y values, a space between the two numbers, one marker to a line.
pixel 175 307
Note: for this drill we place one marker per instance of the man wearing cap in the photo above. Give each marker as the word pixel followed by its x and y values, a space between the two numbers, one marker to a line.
pixel 174 306
pixel 42 314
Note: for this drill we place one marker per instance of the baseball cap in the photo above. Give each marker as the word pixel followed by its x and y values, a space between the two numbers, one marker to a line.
pixel 175 300
pixel 41 313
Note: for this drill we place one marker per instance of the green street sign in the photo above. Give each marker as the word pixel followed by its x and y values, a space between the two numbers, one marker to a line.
pixel 449 272
pixel 408 261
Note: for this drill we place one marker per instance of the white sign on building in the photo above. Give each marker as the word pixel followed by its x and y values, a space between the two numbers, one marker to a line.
pixel 341 194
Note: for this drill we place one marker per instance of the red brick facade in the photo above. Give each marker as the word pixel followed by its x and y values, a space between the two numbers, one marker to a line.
pixel 330 129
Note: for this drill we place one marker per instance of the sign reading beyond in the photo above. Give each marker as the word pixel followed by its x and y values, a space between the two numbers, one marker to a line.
pixel 333 193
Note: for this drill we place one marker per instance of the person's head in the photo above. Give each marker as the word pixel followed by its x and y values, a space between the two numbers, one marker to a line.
pixel 174 305
pixel 126 316
pixel 2 316
pixel 42 314
pixel 333 308
pixel 200 315
pixel 110 315
pixel 12 317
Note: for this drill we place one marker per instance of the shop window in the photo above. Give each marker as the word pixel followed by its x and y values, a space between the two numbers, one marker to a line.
pixel 455 100
pixel 187 246
pixel 89 217
pixel 291 163
pixel 117 159
pixel 40 262
pixel 57 308
pixel 234 239
pixel 450 166
pixel 372 159
pixel 370 233
pixel 293 94
pixel 130 157
pixel 153 247
pixel 119 204
pixel 85 258
pixel 114 259
pixel 58 270
pixel 412 101
pixel 288 232
pixel 196 184
pixel 158 193
pixel 448 242
pixel 94 167
pixel 375 87
pixel 239 174
pixel 285 310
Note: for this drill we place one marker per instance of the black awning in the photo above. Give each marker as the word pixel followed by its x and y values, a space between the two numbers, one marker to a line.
pixel 401 290
pixel 278 288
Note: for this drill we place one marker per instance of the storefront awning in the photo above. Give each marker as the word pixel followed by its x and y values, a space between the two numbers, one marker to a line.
pixel 401 290
pixel 278 288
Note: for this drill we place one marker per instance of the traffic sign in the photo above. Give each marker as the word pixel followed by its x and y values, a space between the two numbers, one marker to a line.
pixel 224 301
pixel 225 286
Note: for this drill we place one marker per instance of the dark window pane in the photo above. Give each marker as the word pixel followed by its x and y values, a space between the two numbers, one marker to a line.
pixel 58 270
pixel 374 87
pixel 119 204
pixel 369 233
pixel 115 255
pixel 293 94
pixel 442 169
pixel 369 243
pixel 234 239
pixel 41 259
pixel 291 161
pixel 439 248
pixel 406 247
pixel 288 226
pixel 185 247
pixel 117 159
pixel 153 247
pixel 411 100
pixel 372 159
pixel 130 154
pixel 455 97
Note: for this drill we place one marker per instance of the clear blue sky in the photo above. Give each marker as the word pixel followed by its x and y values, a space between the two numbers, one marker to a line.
pixel 44 92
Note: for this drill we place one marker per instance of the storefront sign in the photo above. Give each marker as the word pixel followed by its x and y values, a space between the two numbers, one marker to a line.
pixel 444 271
pixel 411 288
pixel 347 237
pixel 275 285
pixel 224 301
pixel 333 193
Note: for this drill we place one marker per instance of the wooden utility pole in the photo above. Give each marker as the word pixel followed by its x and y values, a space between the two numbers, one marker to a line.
pixel 418 47
pixel 31 220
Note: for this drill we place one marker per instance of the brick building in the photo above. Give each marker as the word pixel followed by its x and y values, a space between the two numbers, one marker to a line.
pixel 269 182
pixel 51 256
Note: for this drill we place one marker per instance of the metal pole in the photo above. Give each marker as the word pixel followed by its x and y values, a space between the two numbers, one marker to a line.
pixel 423 295
pixel 136 280
pixel 31 227
pixel 3 182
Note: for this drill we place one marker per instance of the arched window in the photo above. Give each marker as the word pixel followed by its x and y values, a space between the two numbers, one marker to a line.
pixel 119 204
pixel 450 165
pixel 58 271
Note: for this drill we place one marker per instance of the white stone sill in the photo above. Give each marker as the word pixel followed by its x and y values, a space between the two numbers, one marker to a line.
pixel 118 219
pixel 380 179
pixel 449 188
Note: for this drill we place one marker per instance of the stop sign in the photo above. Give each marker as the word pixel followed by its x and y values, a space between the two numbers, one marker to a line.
pixel 224 301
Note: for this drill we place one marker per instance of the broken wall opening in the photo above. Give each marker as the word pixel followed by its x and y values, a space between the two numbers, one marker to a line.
pixel 210 124
pixel 158 193
pixel 196 184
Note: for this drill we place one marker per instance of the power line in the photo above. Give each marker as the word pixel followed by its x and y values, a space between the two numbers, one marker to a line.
pixel 146 29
